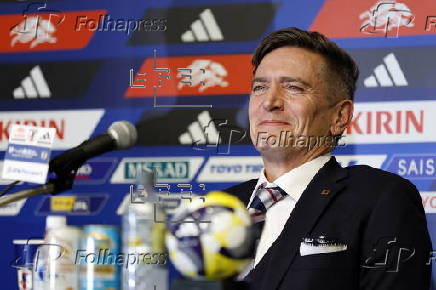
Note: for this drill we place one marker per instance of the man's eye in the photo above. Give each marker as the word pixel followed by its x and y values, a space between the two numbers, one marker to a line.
pixel 294 88
pixel 258 88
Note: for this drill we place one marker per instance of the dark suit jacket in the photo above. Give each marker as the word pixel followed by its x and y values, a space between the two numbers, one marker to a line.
pixel 377 214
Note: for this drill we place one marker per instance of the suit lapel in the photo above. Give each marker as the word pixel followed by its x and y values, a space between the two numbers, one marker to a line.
pixel 312 203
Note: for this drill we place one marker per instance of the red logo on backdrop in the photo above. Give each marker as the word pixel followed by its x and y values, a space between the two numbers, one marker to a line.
pixel 58 125
pixel 20 134
pixel 45 31
pixel 188 76
pixel 429 201
pixel 387 122
pixel 372 18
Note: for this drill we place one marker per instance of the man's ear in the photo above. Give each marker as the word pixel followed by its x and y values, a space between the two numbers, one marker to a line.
pixel 342 115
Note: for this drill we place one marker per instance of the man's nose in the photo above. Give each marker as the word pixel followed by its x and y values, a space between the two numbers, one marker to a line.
pixel 273 100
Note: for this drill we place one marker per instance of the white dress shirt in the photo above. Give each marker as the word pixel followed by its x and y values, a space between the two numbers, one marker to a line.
pixel 293 183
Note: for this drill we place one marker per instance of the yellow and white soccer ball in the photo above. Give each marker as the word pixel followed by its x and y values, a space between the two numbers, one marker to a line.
pixel 211 239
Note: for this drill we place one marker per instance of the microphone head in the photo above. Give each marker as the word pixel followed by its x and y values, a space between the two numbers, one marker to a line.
pixel 124 134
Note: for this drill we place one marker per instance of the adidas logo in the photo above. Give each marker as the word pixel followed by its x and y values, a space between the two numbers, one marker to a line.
pixel 33 86
pixel 388 74
pixel 201 132
pixel 203 29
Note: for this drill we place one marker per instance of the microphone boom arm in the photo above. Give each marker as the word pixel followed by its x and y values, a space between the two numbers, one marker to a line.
pixel 43 189
pixel 64 181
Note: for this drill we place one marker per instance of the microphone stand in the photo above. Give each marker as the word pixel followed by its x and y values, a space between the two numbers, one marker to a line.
pixel 63 181
pixel 46 188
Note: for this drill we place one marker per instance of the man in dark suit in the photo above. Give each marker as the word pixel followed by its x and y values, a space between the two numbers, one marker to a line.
pixel 323 226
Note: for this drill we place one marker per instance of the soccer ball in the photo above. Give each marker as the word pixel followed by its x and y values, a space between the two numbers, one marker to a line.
pixel 211 239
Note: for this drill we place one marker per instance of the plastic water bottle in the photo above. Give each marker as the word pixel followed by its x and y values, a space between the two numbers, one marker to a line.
pixel 54 265
pixel 143 238
pixel 40 268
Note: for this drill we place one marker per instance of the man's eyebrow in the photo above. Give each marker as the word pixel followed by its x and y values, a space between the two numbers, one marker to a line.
pixel 259 80
pixel 282 80
pixel 296 79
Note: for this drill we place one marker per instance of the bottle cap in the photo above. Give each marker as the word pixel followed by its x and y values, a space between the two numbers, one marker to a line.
pixel 146 178
pixel 55 221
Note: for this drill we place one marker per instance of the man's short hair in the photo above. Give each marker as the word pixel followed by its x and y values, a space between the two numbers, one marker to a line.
pixel 340 65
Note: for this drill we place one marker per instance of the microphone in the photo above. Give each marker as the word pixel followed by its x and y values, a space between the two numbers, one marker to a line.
pixel 120 135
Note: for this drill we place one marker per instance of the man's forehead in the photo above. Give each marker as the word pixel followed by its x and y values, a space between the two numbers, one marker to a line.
pixel 291 56
pixel 291 62
pixel 288 53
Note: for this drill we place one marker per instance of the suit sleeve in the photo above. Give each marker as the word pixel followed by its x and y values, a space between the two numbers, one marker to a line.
pixel 396 245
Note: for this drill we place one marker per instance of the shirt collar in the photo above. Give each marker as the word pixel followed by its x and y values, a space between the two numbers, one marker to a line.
pixel 295 181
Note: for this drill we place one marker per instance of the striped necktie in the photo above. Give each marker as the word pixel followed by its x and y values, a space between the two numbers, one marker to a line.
pixel 264 198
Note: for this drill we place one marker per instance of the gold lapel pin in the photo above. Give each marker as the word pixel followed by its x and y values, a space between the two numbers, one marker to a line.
pixel 325 191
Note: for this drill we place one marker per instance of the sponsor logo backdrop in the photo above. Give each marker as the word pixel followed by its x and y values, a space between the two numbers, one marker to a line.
pixel 181 72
